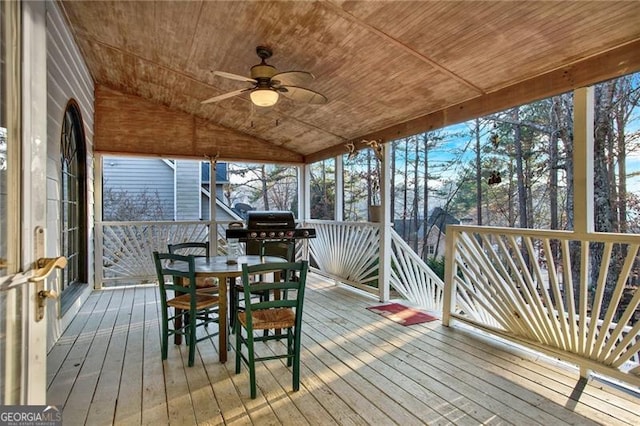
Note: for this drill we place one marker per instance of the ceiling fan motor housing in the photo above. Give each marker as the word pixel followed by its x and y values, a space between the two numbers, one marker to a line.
pixel 265 91
pixel 263 71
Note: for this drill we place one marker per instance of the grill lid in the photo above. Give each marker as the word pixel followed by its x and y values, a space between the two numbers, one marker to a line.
pixel 260 220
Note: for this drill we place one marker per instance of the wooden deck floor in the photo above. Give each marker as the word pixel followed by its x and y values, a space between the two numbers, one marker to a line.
pixel 358 368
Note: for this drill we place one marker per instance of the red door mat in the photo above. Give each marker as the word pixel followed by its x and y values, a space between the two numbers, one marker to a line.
pixel 402 314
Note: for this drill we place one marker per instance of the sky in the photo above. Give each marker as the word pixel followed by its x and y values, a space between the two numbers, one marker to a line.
pixel 463 141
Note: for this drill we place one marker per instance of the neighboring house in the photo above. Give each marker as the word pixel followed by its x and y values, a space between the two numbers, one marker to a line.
pixel 436 229
pixel 160 189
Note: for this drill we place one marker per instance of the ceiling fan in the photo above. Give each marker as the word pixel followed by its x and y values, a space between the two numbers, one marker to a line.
pixel 268 84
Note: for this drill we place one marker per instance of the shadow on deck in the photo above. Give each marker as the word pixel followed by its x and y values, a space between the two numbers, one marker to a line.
pixel 357 368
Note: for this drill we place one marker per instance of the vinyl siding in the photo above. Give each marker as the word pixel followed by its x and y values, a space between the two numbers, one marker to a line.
pixel 188 190
pixel 136 176
pixel 67 78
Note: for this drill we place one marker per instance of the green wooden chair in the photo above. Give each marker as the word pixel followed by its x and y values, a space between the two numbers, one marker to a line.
pixel 277 248
pixel 184 309
pixel 197 249
pixel 281 313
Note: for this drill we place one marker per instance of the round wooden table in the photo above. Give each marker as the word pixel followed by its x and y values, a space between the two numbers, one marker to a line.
pixel 218 266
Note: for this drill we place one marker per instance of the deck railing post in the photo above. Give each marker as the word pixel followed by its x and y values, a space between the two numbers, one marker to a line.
pixel 449 298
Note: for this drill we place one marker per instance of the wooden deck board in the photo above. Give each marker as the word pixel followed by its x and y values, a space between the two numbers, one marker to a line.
pixel 424 345
pixel 91 347
pixel 129 403
pixel 435 381
pixel 154 401
pixel 63 370
pixel 357 368
pixel 105 391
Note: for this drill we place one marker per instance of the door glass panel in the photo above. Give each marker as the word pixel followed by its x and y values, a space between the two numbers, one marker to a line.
pixel 3 151
pixel 12 291
pixel 73 199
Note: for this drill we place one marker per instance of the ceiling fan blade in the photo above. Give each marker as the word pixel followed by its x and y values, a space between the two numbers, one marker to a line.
pixel 226 95
pixel 292 78
pixel 301 94
pixel 234 76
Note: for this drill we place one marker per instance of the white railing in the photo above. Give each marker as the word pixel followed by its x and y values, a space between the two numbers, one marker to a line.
pixel 127 247
pixel 412 278
pixel 349 252
pixel 346 251
pixel 504 281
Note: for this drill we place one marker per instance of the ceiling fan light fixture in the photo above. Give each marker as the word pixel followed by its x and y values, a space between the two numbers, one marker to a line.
pixel 264 97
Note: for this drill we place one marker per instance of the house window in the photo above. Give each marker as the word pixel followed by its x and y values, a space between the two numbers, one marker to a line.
pixel 431 250
pixel 73 200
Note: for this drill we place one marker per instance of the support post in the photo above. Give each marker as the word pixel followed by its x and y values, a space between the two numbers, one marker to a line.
pixel 583 200
pixel 583 122
pixel 384 271
pixel 449 297
pixel 339 204
pixel 213 226
pixel 304 209
pixel 98 252
pixel 304 193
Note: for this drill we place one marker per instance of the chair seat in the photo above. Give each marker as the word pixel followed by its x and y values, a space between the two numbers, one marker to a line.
pixel 270 318
pixel 203 301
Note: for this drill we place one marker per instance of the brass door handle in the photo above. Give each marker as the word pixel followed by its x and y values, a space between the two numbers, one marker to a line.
pixel 46 265
pixel 47 294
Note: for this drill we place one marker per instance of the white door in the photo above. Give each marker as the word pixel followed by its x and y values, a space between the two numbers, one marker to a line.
pixel 23 200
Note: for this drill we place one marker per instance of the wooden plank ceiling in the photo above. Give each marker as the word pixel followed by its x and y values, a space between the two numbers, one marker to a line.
pixel 388 68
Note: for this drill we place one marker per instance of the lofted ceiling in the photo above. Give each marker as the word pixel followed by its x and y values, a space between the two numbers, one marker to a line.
pixel 388 68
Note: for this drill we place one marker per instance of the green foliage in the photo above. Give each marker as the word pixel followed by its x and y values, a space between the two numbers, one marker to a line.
pixel 323 190
pixel 437 265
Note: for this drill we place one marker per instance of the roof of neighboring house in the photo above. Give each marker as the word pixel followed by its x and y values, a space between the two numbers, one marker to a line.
pixel 441 219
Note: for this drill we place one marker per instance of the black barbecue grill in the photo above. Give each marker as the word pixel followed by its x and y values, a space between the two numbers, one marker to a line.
pixel 268 233
pixel 270 225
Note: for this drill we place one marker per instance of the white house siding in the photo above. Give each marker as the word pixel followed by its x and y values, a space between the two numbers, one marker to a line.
pixel 67 78
pixel 204 202
pixel 188 184
pixel 137 175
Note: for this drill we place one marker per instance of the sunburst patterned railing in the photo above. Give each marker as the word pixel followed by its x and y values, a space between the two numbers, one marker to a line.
pixel 413 278
pixel 579 306
pixel 127 247
pixel 349 252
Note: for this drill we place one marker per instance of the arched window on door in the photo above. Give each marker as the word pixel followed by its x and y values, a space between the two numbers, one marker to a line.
pixel 73 208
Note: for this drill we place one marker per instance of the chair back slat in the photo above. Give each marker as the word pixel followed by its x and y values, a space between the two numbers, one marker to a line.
pixel 167 265
pixel 271 304
pixel 195 248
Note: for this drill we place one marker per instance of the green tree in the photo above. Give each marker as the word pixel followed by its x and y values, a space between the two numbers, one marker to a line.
pixel 323 190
